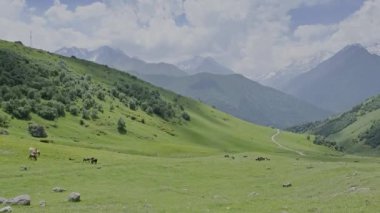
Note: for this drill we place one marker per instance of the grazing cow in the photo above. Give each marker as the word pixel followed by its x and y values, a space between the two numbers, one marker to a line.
pixel 86 159
pixel 226 156
pixel 260 158
pixel 233 157
pixel 94 161
pixel 33 153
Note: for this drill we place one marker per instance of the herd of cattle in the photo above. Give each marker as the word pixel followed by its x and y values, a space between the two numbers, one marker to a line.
pixel 245 156
pixel 34 153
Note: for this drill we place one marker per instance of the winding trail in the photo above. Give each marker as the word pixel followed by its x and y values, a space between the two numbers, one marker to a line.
pixel 282 146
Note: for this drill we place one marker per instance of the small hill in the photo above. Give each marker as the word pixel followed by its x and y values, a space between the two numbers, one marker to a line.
pixel 199 64
pixel 340 82
pixel 242 98
pixel 355 131
pixel 117 59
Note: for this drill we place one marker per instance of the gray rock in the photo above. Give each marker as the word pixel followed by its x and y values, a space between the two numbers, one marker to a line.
pixel 42 203
pixel 6 209
pixel 74 197
pixel 58 189
pixel 3 200
pixel 20 200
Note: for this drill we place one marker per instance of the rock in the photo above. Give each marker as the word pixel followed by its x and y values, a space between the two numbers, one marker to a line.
pixel 3 200
pixel 74 197
pixel 6 209
pixel 42 203
pixel 58 189
pixel 4 132
pixel 20 200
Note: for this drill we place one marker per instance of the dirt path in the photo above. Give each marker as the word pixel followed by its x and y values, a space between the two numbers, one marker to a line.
pixel 284 147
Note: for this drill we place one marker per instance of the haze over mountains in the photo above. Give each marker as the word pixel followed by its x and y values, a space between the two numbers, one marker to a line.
pixel 340 82
pixel 215 85
pixel 117 59
pixel 199 64
pixel 242 98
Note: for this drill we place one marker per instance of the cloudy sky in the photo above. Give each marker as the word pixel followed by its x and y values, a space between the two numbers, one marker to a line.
pixel 253 37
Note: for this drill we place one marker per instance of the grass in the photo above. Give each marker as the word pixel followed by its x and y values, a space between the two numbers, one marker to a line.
pixel 134 183
pixel 168 166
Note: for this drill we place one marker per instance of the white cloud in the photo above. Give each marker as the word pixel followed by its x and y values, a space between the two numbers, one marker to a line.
pixel 251 36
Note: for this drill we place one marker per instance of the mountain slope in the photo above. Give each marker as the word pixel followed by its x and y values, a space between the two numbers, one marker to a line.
pixel 117 59
pixel 242 98
pixel 339 83
pixel 200 64
pixel 80 104
pixel 356 131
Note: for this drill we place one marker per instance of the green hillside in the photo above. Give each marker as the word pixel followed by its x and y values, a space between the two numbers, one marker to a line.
pixel 355 131
pixel 169 158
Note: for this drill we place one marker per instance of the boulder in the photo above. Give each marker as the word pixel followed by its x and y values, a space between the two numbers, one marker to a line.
pixel 23 200
pixel 74 197
pixel 58 189
pixel 6 209
pixel 42 203
pixel 3 200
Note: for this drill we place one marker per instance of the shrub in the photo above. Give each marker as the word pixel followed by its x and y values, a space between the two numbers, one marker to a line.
pixel 121 127
pixel 48 113
pixel 186 116
pixel 37 130
pixel 86 114
pixel 74 110
pixel 132 105
pixel 4 121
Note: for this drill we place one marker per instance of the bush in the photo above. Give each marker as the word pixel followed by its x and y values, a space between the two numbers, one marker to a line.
pixel 37 130
pixel 4 121
pixel 132 105
pixel 186 116
pixel 74 110
pixel 86 114
pixel 121 127
pixel 48 113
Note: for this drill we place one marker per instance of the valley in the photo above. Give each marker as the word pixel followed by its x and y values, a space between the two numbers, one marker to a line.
pixel 204 163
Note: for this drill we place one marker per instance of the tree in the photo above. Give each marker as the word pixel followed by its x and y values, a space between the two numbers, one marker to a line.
pixel 186 116
pixel 121 127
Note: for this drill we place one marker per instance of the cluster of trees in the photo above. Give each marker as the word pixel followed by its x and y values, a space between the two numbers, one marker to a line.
pixel 136 96
pixel 51 90
pixel 320 140
pixel 371 136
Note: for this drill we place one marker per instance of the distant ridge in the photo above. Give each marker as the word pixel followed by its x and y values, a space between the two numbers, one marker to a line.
pixel 117 59
pixel 342 81
pixel 199 64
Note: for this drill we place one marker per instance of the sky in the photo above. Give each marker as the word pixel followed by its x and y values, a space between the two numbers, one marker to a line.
pixel 253 37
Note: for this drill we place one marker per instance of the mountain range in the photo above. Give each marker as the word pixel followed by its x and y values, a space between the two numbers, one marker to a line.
pixel 117 59
pixel 199 64
pixel 243 98
pixel 340 82
pixel 215 85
